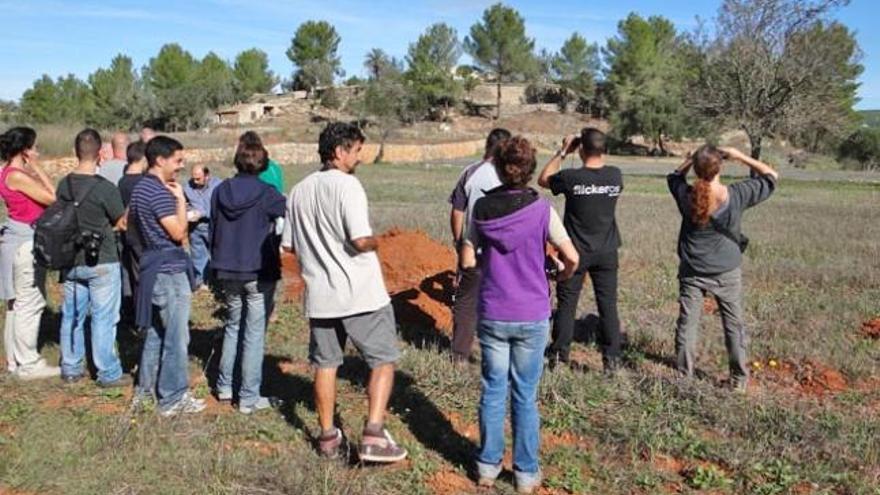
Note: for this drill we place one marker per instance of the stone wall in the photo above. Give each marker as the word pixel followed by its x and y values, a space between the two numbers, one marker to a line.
pixel 299 153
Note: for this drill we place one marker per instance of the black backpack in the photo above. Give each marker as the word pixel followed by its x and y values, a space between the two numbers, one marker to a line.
pixel 57 232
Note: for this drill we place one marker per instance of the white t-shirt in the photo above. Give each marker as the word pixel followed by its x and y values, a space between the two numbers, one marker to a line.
pixel 325 211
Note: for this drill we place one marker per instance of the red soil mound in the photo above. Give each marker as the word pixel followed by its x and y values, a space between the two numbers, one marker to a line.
pixel 418 271
pixel 871 328
pixel 808 376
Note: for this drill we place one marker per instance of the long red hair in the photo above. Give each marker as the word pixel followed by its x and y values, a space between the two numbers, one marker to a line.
pixel 707 162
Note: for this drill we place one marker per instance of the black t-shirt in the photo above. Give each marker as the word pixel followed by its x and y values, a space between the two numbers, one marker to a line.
pixel 590 204
pixel 98 213
pixel 126 186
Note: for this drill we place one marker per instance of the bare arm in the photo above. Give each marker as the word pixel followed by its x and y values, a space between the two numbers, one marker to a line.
pixel 685 167
pixel 757 166
pixel 176 225
pixel 552 167
pixel 122 222
pixel 44 178
pixel 365 244
pixel 31 187
pixel 468 256
pixel 456 223
pixel 569 257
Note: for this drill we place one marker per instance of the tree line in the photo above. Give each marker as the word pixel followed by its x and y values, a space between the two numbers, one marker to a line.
pixel 174 91
pixel 780 69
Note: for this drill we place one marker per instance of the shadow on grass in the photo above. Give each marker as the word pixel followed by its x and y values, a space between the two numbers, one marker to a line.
pixel 427 423
pixel 419 328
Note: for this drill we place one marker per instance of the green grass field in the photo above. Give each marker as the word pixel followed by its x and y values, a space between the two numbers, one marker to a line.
pixel 809 424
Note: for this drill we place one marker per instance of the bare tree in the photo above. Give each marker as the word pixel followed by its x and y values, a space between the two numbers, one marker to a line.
pixel 774 66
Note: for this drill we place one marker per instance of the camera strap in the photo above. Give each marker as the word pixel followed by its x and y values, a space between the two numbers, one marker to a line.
pixel 78 202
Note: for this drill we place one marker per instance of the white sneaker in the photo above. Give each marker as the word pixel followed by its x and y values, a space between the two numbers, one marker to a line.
pixel 38 371
pixel 186 405
pixel 259 405
pixel 224 396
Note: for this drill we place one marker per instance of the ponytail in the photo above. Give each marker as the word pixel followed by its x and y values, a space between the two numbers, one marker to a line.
pixel 16 140
pixel 707 164
pixel 701 200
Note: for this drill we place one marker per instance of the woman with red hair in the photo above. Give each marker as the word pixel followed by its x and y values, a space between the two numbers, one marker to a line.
pixel 710 247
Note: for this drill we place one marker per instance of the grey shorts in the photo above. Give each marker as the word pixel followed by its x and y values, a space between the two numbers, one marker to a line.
pixel 374 335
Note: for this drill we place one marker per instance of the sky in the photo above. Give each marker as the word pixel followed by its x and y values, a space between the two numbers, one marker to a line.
pixel 58 37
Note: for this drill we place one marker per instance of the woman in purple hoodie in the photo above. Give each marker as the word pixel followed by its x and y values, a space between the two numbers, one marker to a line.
pixel 507 237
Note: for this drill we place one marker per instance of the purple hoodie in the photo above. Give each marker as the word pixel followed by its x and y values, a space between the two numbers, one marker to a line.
pixel 514 286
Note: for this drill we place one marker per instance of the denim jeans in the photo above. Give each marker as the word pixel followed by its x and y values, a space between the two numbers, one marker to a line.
pixel 248 304
pixel 200 250
pixel 95 290
pixel 513 352
pixel 164 360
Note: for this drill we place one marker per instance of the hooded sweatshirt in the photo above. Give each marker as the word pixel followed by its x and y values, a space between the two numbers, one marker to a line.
pixel 514 286
pixel 243 213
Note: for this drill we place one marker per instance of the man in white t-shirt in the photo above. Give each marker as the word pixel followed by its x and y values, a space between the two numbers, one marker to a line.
pixel 328 227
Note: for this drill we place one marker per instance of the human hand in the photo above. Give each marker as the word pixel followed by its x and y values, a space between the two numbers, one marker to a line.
pixel 570 143
pixel 176 190
pixel 731 153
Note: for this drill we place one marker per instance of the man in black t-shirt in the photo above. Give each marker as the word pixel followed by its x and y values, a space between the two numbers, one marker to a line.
pixel 92 285
pixel 591 193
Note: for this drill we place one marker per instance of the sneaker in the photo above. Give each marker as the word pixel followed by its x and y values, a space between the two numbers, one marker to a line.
pixel 331 447
pixel 224 396
pixel 611 366
pixel 259 405
pixel 527 484
pixel 186 405
pixel 38 371
pixel 71 379
pixel 487 474
pixel 380 449
pixel 121 382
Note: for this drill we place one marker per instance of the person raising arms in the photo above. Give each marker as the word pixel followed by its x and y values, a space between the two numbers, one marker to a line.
pixel 710 249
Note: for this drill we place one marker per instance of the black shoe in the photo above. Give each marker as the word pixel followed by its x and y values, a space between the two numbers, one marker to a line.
pixel 71 379
pixel 556 359
pixel 122 381
pixel 611 366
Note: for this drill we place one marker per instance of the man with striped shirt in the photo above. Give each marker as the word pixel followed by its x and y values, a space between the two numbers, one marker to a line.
pixel 158 208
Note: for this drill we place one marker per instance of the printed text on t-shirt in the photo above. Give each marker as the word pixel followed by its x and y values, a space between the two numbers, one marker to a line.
pixel 590 189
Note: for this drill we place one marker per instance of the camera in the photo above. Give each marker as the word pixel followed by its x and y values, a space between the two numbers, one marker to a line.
pixel 573 145
pixel 90 243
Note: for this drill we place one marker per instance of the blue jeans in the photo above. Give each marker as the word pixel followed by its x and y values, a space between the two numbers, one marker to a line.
pixel 513 352
pixel 164 361
pixel 95 290
pixel 248 304
pixel 200 250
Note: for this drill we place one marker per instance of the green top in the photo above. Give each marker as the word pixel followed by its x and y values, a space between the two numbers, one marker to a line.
pixel 274 176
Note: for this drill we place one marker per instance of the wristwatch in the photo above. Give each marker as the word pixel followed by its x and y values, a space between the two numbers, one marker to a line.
pixel 561 153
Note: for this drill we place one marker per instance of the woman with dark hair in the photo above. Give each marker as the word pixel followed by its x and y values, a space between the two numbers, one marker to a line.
pixel 27 191
pixel 244 207
pixel 510 228
pixel 710 247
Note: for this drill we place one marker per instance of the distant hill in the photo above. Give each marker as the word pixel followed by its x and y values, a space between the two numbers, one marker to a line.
pixel 871 117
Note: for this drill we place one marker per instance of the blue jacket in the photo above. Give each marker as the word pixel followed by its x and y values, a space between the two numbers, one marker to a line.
pixel 243 241
pixel 200 198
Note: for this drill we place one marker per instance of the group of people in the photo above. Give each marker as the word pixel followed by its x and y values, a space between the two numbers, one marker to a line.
pixel 175 237
pixel 502 227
